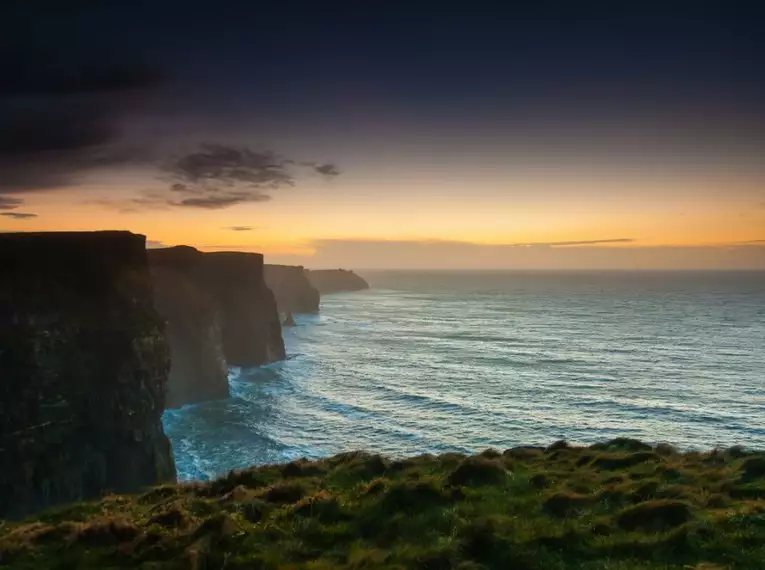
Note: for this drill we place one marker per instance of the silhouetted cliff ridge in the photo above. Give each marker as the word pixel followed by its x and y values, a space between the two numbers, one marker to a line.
pixel 336 280
pixel 83 367
pixel 292 289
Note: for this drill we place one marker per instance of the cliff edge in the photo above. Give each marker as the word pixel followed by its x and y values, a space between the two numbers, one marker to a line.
pixel 219 312
pixel 83 367
pixel 336 280
pixel 198 370
pixel 252 333
pixel 292 289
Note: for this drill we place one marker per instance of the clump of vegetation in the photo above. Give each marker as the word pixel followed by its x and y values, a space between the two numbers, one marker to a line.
pixel 620 505
pixel 655 515
pixel 477 471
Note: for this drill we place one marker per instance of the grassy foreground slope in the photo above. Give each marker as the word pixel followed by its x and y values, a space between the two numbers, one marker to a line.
pixel 620 505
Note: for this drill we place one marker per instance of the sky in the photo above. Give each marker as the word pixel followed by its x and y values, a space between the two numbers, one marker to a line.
pixel 549 134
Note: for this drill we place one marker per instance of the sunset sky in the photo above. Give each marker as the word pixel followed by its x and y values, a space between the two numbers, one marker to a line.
pixel 558 135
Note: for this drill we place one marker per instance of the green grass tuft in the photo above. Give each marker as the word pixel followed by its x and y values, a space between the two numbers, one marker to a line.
pixel 620 505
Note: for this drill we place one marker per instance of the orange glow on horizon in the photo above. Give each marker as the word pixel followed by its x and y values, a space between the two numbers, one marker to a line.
pixel 695 212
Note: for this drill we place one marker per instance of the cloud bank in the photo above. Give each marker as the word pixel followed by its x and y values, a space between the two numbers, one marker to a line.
pixel 573 255
pixel 59 117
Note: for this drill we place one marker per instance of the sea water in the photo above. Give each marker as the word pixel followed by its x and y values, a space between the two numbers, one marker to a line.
pixel 463 361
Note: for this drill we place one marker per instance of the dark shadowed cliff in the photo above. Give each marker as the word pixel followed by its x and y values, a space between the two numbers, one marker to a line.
pixel 224 310
pixel 194 330
pixel 83 367
pixel 252 333
pixel 292 289
pixel 336 280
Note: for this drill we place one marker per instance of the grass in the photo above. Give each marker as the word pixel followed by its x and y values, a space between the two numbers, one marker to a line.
pixel 620 505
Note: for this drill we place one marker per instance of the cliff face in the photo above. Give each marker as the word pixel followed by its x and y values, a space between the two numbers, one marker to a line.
pixel 252 333
pixel 198 370
pixel 226 314
pixel 336 280
pixel 292 289
pixel 83 367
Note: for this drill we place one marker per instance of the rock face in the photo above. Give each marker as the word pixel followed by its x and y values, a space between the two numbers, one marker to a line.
pixel 336 280
pixel 292 289
pixel 252 333
pixel 198 370
pixel 83 367
pixel 234 285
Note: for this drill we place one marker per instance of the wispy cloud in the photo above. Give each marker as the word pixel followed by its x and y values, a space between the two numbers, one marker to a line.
pixel 19 215
pixel 154 244
pixel 570 243
pixel 219 176
pixel 239 228
pixel 467 244
pixel 7 203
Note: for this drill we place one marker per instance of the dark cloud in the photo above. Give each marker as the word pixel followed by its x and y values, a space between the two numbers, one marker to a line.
pixel 219 176
pixel 240 228
pixel 327 169
pixel 59 116
pixel 216 202
pixel 154 244
pixel 18 215
pixel 7 203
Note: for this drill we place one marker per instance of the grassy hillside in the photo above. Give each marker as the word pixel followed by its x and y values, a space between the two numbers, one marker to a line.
pixel 620 506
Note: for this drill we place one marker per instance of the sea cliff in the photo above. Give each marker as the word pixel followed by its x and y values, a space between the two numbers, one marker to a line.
pixel 252 333
pixel 219 313
pixel 83 368
pixel 198 370
pixel 336 280
pixel 292 289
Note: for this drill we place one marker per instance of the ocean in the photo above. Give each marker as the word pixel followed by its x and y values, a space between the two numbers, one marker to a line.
pixel 462 361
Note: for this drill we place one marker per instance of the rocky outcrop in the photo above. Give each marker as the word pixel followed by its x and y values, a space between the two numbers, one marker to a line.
pixel 250 331
pixel 198 370
pixel 83 367
pixel 292 289
pixel 336 280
